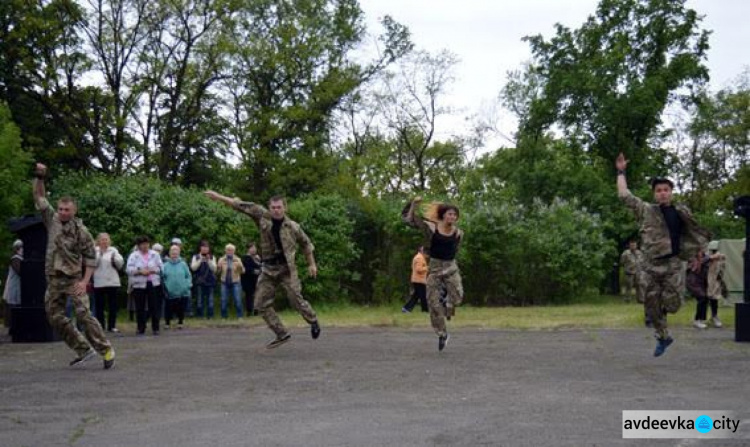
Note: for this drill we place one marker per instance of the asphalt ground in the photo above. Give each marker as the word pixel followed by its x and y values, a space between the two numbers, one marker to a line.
pixel 362 387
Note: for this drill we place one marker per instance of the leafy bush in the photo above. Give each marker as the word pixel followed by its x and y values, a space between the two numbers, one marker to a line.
pixel 326 221
pixel 127 207
pixel 516 255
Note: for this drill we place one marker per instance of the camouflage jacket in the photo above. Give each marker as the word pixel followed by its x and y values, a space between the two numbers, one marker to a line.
pixel 655 241
pixel 69 245
pixel 631 261
pixel 291 234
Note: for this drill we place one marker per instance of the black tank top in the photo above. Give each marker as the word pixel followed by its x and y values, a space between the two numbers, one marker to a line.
pixel 444 247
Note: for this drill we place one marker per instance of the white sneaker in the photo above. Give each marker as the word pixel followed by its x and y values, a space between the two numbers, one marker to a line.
pixel 716 322
pixel 698 324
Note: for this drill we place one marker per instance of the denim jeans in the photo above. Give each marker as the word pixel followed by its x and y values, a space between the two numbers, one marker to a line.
pixel 236 290
pixel 205 296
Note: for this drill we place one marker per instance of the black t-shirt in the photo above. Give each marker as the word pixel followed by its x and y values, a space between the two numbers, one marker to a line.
pixel 674 224
pixel 276 229
pixel 443 247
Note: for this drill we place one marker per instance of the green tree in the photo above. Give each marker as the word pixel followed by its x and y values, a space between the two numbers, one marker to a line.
pixel 607 83
pixel 291 67
pixel 14 172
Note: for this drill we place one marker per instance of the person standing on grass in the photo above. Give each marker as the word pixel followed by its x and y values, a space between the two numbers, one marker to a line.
pixel 251 262
pixel 109 262
pixel 443 239
pixel 279 239
pixel 70 255
pixel 698 272
pixel 717 287
pixel 418 282
pixel 204 267
pixel 177 283
pixel 229 271
pixel 144 270
pixel 12 290
pixel 669 234
pixel 631 260
pixel 189 304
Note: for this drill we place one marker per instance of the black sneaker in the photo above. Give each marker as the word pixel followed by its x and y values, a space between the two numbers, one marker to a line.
pixel 315 330
pixel 661 346
pixel 278 341
pixel 90 354
pixel 443 341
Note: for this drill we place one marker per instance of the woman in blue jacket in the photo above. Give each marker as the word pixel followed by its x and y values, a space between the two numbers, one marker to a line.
pixel 177 282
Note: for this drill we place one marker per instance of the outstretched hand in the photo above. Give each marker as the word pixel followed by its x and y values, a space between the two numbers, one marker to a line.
pixel 621 163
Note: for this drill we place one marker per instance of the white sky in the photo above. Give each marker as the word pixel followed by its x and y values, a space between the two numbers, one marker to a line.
pixel 486 36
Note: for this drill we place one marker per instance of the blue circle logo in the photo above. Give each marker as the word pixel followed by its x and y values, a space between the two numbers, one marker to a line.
pixel 704 424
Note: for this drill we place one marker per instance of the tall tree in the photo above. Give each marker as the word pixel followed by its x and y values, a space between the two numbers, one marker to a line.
pixel 607 83
pixel 292 65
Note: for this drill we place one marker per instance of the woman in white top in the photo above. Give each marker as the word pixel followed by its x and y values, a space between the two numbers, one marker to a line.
pixel 109 262
pixel 144 274
pixel 12 291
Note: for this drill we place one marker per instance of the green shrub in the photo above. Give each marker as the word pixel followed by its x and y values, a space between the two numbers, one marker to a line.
pixel 516 255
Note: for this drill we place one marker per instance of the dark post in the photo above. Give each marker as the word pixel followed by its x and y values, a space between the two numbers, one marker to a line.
pixel 742 310
pixel 29 321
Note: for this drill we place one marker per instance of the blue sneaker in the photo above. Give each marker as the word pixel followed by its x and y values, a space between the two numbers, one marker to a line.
pixel 661 345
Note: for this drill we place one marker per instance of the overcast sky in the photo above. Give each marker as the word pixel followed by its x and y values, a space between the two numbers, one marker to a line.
pixel 486 36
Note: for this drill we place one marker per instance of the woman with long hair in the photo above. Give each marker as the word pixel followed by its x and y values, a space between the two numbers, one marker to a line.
pixel 442 239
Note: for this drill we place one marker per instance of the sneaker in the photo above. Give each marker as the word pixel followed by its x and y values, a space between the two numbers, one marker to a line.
pixel 167 327
pixel 278 341
pixel 698 324
pixel 443 341
pixel 90 354
pixel 114 330
pixel 315 330
pixel 716 322
pixel 661 345
pixel 109 358
pixel 405 310
pixel 180 326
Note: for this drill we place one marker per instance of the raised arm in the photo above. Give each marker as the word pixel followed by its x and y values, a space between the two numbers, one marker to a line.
pixel 622 183
pixel 40 194
pixel 40 172
pixel 633 202
pixel 251 209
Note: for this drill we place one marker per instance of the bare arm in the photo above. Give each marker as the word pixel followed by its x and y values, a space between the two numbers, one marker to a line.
pixel 411 217
pixel 622 184
pixel 39 193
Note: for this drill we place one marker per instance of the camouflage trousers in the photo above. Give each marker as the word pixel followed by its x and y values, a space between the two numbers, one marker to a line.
pixel 443 275
pixel 632 287
pixel 661 282
pixel 59 288
pixel 270 279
